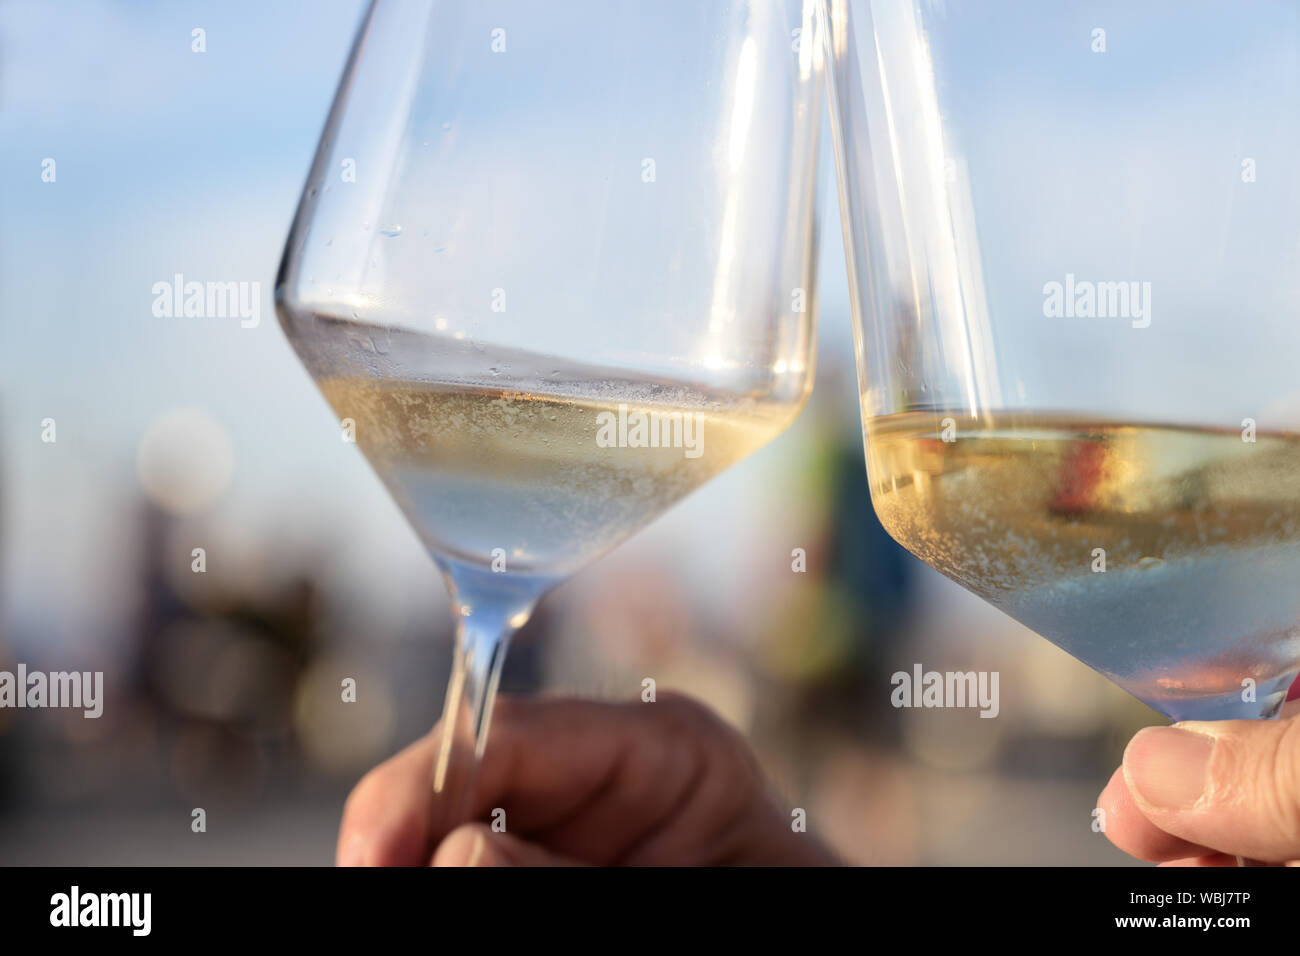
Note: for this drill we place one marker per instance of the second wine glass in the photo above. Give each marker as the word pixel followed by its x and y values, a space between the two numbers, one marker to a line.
pixel 1072 246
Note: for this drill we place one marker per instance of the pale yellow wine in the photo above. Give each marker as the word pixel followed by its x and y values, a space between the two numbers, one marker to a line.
pixel 535 482
pixel 1166 557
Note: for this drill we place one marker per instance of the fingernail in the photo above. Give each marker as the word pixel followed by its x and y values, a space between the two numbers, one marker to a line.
pixel 489 852
pixel 353 852
pixel 469 846
pixel 476 851
pixel 1166 766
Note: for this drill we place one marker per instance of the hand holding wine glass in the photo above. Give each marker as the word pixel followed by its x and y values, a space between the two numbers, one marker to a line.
pixel 1209 793
pixel 663 783
pixel 551 281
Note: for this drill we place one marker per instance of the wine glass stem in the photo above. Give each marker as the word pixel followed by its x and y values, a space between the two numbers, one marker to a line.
pixel 490 607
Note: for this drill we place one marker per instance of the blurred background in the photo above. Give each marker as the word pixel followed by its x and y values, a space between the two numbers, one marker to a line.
pixel 222 687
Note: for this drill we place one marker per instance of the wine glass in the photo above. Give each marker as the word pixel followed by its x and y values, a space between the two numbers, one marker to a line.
pixel 553 269
pixel 1072 243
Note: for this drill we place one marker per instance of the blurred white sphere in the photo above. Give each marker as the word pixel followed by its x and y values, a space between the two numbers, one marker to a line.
pixel 185 461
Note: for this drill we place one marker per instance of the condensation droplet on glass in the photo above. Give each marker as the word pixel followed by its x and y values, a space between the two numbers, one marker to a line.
pixel 446 125
pixel 328 243
pixel 1149 562
pixel 392 230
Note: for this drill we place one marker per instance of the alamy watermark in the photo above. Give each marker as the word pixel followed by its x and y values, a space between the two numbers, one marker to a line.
pixel 922 688
pixel 75 908
pixel 208 300
pixel 637 429
pixel 73 689
pixel 1085 299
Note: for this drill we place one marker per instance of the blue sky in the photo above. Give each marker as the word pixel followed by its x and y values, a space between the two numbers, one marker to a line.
pixel 171 161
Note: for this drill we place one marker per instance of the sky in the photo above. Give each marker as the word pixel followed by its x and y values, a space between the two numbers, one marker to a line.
pixel 169 161
pixel 1107 141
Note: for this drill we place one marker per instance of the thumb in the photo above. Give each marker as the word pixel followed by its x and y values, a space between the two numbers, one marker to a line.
pixel 474 844
pixel 1232 786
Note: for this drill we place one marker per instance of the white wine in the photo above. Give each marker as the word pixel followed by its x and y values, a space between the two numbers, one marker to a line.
pixel 539 478
pixel 539 482
pixel 1168 558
